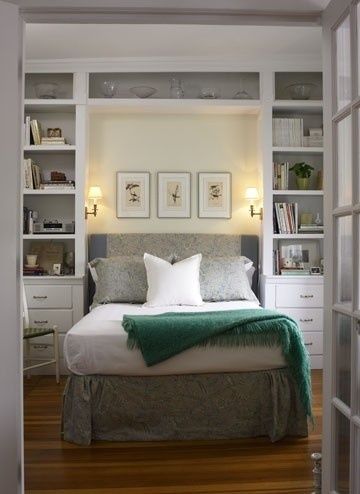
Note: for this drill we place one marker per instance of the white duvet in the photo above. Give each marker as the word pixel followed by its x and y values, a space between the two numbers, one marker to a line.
pixel 97 345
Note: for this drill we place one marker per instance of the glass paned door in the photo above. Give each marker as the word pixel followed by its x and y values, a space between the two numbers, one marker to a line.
pixel 341 434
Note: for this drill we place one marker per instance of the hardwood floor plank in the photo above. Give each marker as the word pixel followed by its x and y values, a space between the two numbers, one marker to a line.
pixel 249 466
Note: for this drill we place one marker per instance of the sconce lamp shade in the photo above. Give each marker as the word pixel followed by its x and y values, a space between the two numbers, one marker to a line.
pixel 252 194
pixel 95 193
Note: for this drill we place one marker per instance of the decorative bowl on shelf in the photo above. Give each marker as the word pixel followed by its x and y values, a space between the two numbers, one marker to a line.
pixel 109 88
pixel 301 90
pixel 143 91
pixel 46 90
pixel 209 93
pixel 242 95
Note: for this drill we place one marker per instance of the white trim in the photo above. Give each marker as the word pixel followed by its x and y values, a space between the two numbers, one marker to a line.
pixel 173 64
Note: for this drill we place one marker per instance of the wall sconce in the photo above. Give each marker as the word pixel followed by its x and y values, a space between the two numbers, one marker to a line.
pixel 95 196
pixel 252 195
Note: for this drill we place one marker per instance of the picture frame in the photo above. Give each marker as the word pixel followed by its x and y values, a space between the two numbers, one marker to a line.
pixel 133 194
pixel 174 194
pixel 214 195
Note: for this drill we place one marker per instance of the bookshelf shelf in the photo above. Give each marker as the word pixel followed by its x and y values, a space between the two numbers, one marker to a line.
pixel 285 192
pixel 306 106
pixel 297 150
pixel 52 148
pixel 49 236
pixel 45 105
pixel 49 192
pixel 298 236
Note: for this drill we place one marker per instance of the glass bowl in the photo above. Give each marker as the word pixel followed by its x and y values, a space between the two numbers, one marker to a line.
pixel 109 88
pixel 46 90
pixel 301 90
pixel 143 91
pixel 209 93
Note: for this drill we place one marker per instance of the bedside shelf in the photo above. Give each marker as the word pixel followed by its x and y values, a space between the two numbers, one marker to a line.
pixel 49 192
pixel 52 148
pixel 48 236
pixel 296 150
pixel 298 236
pixel 296 192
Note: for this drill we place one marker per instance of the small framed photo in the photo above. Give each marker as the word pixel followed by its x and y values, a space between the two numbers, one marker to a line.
pixel 214 195
pixel 315 270
pixel 174 194
pixel 57 269
pixel 133 194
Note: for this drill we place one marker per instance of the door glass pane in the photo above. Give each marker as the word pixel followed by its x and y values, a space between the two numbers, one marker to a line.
pixel 344 162
pixel 344 260
pixel 343 65
pixel 342 453
pixel 343 358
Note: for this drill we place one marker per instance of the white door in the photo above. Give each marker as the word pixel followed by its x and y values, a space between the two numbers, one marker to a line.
pixel 341 432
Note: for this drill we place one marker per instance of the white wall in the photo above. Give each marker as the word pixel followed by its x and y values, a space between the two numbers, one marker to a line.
pixel 173 142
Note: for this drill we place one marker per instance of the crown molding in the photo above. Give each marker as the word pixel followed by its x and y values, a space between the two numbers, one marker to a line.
pixel 170 16
pixel 176 64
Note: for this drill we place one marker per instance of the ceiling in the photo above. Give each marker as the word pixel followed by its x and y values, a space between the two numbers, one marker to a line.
pixel 252 5
pixel 74 41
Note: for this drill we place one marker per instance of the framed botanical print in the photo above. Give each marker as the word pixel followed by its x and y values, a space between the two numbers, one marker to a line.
pixel 214 195
pixel 174 195
pixel 133 194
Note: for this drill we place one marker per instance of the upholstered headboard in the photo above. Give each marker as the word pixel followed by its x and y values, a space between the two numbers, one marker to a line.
pixel 180 244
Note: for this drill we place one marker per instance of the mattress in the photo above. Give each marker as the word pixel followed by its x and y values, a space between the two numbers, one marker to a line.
pixel 97 344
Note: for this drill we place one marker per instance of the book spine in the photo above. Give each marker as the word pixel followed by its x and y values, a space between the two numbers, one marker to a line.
pixel 27 131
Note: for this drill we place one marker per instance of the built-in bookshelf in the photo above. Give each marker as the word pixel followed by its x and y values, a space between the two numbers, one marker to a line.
pixel 53 174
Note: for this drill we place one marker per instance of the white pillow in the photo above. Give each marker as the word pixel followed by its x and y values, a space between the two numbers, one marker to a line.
pixel 173 284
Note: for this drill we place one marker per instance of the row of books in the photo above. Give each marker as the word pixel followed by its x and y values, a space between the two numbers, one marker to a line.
pixel 33 134
pixel 286 217
pixel 34 271
pixel 288 132
pixel 29 216
pixel 281 176
pixel 32 174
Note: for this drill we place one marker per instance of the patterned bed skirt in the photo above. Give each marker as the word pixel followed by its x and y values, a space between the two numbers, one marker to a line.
pixel 193 406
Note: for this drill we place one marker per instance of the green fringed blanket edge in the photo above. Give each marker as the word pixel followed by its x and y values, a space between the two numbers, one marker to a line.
pixel 162 336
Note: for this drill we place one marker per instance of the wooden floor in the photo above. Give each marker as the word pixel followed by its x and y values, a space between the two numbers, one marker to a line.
pixel 250 466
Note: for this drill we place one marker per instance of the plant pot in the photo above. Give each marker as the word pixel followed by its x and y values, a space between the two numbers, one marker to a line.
pixel 302 183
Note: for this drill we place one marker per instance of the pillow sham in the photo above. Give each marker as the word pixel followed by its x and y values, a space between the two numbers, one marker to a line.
pixel 119 279
pixel 173 284
pixel 225 278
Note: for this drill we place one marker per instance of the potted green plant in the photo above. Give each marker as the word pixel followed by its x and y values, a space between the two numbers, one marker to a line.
pixel 303 173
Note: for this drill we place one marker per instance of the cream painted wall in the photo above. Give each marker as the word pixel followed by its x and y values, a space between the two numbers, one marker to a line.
pixel 173 142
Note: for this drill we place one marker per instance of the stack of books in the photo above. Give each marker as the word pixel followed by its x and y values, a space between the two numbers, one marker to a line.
pixel 288 132
pixel 311 228
pixel 32 175
pixel 32 132
pixel 286 217
pixel 294 272
pixel 57 141
pixel 34 271
pixel 276 261
pixel 58 184
pixel 281 176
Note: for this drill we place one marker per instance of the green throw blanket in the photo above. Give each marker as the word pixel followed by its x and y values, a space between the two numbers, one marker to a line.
pixel 163 336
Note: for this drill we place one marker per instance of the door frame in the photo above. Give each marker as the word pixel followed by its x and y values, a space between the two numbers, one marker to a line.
pixel 11 98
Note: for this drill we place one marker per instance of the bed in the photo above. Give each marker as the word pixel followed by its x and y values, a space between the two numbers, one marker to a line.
pixel 202 393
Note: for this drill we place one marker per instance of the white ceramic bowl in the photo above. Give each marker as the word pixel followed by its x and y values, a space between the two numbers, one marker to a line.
pixel 301 90
pixel 143 91
pixel 46 90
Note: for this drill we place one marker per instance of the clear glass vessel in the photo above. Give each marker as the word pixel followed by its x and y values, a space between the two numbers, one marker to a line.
pixel 176 90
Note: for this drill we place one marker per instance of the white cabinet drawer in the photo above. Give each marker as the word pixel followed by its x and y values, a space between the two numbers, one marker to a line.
pixel 42 347
pixel 48 297
pixel 299 296
pixel 47 318
pixel 307 319
pixel 314 342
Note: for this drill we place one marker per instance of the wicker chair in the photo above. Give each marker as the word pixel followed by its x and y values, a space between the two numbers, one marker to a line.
pixel 32 332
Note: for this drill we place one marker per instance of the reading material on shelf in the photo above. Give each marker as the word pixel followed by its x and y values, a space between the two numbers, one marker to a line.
pixel 58 184
pixel 288 132
pixel 286 217
pixel 29 216
pixel 311 228
pixel 35 133
pixel 32 174
pixel 57 141
pixel 281 176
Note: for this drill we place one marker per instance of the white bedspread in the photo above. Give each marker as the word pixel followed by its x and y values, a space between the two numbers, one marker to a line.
pixel 97 345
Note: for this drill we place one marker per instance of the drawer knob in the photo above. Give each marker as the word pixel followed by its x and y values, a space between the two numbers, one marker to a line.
pixel 306 296
pixel 306 320
pixel 41 322
pixel 308 344
pixel 39 296
pixel 40 346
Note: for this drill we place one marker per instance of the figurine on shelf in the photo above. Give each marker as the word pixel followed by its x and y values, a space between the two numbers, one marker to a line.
pixel 176 90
